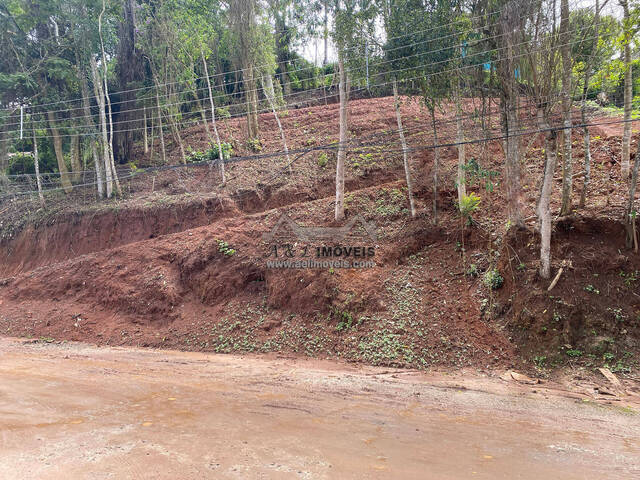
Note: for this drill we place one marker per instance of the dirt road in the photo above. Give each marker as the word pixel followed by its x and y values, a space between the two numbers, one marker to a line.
pixel 75 411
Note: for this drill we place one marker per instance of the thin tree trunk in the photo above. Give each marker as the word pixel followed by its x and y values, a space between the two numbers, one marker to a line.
pixel 509 26
pixel 86 108
pixel 36 165
pixel 76 167
pixel 436 161
pixel 97 86
pixel 252 102
pixel 583 107
pixel 213 119
pixel 326 33
pixel 462 160
pixel 631 214
pixel 342 147
pixel 114 173
pixel 267 83
pixel 153 131
pixel 4 150
pixel 161 133
pixel 628 91
pixel 544 203
pixel 146 140
pixel 403 141
pixel 567 163
pixel 57 146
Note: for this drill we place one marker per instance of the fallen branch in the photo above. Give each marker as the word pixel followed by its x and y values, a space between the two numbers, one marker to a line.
pixel 555 280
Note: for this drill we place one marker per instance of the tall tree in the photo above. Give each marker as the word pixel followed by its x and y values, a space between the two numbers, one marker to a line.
pixel 567 65
pixel 242 15
pixel 508 30
pixel 627 36
pixel 129 71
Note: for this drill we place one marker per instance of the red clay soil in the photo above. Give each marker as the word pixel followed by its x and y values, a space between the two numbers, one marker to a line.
pixel 150 274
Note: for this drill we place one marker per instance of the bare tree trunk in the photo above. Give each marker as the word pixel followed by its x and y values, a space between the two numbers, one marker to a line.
pixel 267 83
pixel 567 163
pixel 76 167
pixel 631 214
pixel 436 161
pixel 86 108
pixel 160 132
pixel 544 202
pixel 325 33
pixel 97 86
pixel 36 165
pixel 509 26
pixel 342 147
pixel 583 109
pixel 252 102
pixel 213 119
pixel 462 160
pixel 114 174
pixel 628 91
pixel 146 140
pixel 4 151
pixel 153 131
pixel 57 146
pixel 403 141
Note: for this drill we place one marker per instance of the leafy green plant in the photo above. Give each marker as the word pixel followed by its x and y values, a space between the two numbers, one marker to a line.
pixel 223 112
pixel 540 361
pixel 469 205
pixel 254 144
pixel 323 160
pixel 475 173
pixel 574 353
pixel 472 271
pixel 225 248
pixel 211 154
pixel 345 319
pixel 591 289
pixel 492 279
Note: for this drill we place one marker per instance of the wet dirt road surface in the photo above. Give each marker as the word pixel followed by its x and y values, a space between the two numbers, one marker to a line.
pixel 75 411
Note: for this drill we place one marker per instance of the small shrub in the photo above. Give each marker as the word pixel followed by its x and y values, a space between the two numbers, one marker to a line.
pixel 323 160
pixel 591 289
pixel 540 361
pixel 225 248
pixel 254 145
pixel 472 271
pixel 469 205
pixel 211 154
pixel 574 353
pixel 223 112
pixel 492 279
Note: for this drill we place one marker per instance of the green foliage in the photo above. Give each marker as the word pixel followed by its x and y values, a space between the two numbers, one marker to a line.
pixel 345 319
pixel 476 174
pixel 540 361
pixel 492 279
pixel 472 271
pixel 591 289
pixel 390 202
pixel 469 205
pixel 254 145
pixel 573 353
pixel 323 159
pixel 223 112
pixel 211 154
pixel 225 248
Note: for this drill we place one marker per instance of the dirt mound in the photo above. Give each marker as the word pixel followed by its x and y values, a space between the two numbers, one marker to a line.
pixel 592 315
pixel 173 269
